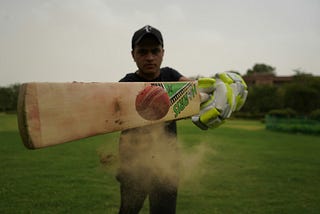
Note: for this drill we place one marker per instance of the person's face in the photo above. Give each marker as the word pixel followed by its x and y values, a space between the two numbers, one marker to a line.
pixel 148 55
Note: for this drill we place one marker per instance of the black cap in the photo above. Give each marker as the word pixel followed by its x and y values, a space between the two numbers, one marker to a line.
pixel 146 30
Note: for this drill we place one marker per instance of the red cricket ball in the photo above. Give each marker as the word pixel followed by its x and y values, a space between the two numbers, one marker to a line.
pixel 152 103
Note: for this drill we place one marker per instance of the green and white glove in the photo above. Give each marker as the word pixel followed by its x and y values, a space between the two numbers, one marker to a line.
pixel 220 96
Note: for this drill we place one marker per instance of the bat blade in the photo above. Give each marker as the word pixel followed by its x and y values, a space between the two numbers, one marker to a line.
pixel 55 113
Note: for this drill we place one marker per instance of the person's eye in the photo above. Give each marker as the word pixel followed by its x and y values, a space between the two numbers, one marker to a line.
pixel 155 51
pixel 143 51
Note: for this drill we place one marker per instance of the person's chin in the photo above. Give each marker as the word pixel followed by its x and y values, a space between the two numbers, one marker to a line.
pixel 150 70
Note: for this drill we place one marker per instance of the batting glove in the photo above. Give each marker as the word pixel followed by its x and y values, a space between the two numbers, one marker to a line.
pixel 220 96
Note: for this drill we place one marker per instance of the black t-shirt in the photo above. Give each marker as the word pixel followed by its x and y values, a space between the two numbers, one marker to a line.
pixel 166 75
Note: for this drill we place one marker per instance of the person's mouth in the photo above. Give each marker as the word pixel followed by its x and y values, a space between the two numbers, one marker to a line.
pixel 150 66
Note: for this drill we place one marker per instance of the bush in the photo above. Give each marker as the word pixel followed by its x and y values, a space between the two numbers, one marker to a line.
pixel 292 125
pixel 315 115
pixel 248 115
pixel 283 113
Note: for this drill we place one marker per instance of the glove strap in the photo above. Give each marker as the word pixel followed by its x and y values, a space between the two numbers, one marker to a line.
pixel 197 122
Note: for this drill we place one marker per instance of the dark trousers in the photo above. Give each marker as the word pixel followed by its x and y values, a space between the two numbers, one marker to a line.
pixel 162 196
pixel 148 168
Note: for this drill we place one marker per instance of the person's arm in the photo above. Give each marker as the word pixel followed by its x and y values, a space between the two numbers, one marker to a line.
pixel 183 78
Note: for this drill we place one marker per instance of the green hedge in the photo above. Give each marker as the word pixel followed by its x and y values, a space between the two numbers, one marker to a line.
pixel 292 125
pixel 315 115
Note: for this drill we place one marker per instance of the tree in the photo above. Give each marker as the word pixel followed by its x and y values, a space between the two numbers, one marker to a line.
pixel 261 69
pixel 5 98
pixel 9 97
pixel 262 99
pixel 303 95
pixel 301 98
pixel 301 73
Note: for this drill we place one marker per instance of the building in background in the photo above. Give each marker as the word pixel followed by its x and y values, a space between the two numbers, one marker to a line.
pixel 266 79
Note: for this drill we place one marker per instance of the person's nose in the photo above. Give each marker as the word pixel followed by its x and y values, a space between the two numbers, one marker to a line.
pixel 150 56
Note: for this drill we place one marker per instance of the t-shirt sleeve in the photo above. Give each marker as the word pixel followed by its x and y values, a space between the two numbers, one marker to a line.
pixel 171 74
pixel 131 77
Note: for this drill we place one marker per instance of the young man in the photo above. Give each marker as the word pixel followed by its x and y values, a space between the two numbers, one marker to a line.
pixel 148 155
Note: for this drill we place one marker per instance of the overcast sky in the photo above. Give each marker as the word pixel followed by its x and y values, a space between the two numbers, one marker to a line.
pixel 89 40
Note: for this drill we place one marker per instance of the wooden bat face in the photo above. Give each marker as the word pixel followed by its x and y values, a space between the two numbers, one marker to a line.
pixel 55 113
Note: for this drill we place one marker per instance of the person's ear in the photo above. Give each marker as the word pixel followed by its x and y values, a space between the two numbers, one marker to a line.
pixel 132 54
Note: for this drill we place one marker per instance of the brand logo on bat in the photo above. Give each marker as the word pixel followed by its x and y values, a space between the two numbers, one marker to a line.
pixel 180 94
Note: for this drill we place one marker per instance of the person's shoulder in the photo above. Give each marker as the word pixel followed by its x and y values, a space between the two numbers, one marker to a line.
pixel 130 77
pixel 168 69
pixel 170 74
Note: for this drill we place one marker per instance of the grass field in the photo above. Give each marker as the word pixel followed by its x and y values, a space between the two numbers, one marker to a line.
pixel 237 168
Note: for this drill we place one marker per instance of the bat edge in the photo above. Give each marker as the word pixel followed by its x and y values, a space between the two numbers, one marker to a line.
pixel 22 118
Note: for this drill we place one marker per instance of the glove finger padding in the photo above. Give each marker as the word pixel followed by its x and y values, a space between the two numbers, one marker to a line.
pixel 207 110
pixel 224 98
pixel 239 89
pixel 206 85
pixel 225 94
pixel 209 115
pixel 241 96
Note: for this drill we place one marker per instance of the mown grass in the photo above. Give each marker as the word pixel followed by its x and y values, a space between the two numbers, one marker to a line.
pixel 238 168
pixel 257 171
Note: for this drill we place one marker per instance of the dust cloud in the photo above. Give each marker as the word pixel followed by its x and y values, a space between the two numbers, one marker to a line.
pixel 194 163
pixel 148 152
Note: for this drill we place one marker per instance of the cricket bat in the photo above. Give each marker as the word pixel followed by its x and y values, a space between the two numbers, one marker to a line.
pixel 55 113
